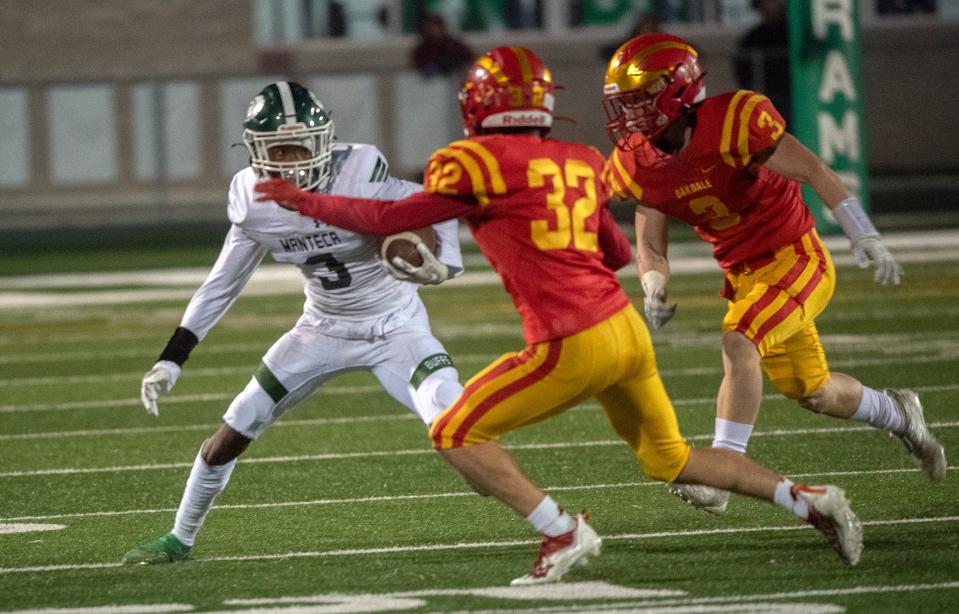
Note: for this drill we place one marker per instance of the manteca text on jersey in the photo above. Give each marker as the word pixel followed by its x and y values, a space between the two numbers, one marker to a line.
pixel 310 243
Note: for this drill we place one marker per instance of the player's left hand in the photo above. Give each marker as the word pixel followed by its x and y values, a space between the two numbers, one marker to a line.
pixel 431 272
pixel 871 251
pixel 282 192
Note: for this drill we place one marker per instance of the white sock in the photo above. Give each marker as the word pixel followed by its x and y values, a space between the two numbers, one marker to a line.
pixel 784 497
pixel 549 519
pixel 731 435
pixel 202 487
pixel 878 409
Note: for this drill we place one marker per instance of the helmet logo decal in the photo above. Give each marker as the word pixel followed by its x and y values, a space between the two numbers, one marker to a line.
pixel 493 69
pixel 256 105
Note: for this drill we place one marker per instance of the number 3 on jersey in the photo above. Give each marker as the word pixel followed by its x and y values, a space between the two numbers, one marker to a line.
pixel 570 225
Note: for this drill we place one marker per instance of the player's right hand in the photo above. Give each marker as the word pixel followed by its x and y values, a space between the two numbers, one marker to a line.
pixel 430 273
pixel 158 381
pixel 658 311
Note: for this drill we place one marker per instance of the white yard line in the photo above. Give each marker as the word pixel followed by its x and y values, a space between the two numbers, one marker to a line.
pixel 446 495
pixel 473 545
pixel 17 292
pixel 694 605
pixel 424 451
pixel 948 355
pixel 203 427
pixel 399 415
pixel 899 342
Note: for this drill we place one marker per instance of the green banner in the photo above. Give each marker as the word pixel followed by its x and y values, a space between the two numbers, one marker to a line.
pixel 827 94
pixel 603 12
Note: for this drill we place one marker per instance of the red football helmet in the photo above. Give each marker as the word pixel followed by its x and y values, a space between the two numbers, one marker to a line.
pixel 651 80
pixel 509 87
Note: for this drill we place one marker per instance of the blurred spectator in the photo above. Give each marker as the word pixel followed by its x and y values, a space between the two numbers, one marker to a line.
pixel 762 56
pixel 524 14
pixel 438 52
pixel 647 22
pixel 337 20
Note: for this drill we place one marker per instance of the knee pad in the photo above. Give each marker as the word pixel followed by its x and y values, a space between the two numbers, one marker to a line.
pixel 436 393
pixel 251 412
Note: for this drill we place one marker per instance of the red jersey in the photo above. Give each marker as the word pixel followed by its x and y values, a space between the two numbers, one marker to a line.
pixel 537 209
pixel 745 210
pixel 541 220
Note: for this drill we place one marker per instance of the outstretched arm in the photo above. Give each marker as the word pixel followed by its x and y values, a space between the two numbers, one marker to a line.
pixel 367 216
pixel 793 160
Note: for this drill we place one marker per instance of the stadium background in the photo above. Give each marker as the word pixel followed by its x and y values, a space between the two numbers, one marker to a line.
pixel 116 128
pixel 125 112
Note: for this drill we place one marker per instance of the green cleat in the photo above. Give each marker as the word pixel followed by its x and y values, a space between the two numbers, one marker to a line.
pixel 166 549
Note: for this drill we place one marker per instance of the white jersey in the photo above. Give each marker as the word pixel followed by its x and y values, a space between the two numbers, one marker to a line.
pixel 345 282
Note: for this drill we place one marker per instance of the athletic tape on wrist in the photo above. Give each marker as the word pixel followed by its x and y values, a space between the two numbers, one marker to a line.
pixel 853 220
pixel 651 281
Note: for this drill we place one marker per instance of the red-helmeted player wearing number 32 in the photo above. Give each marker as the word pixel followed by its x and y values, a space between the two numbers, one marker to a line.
pixel 537 209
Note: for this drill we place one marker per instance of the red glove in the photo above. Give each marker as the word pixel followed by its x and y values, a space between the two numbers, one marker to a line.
pixel 282 192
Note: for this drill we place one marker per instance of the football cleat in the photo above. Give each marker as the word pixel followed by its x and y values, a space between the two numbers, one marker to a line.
pixel 706 498
pixel 557 555
pixel 166 549
pixel 927 452
pixel 830 513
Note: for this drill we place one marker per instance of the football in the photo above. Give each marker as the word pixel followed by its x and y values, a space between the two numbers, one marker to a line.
pixel 403 245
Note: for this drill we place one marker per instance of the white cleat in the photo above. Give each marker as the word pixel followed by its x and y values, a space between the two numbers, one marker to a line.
pixel 706 498
pixel 830 513
pixel 557 555
pixel 927 452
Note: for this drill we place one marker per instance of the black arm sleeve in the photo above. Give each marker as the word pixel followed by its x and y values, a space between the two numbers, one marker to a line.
pixel 179 346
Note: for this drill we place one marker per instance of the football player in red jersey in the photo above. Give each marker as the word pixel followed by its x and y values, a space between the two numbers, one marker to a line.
pixel 727 166
pixel 537 208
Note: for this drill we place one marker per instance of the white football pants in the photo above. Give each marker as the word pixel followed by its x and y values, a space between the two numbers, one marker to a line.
pixel 409 362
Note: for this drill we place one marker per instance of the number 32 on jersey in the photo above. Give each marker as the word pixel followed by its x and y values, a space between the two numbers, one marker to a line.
pixel 570 221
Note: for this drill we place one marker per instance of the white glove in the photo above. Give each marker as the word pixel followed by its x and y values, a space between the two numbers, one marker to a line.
pixel 431 272
pixel 867 247
pixel 658 311
pixel 870 250
pixel 158 381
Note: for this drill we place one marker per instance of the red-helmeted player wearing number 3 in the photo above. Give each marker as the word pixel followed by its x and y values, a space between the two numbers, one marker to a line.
pixel 537 208
pixel 726 165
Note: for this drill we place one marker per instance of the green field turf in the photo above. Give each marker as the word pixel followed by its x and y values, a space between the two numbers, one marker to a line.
pixel 342 507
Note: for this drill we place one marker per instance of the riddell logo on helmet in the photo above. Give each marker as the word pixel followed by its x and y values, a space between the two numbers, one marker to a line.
pixel 524 120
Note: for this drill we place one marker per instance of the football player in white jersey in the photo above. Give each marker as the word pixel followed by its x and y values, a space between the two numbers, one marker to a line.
pixel 361 313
